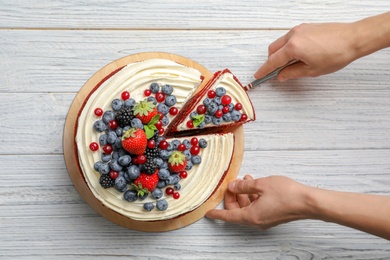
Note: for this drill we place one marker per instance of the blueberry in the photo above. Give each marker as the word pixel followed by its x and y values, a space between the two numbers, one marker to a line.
pixel 165 121
pixel 137 123
pixel 170 100
pixel 162 108
pixel 167 89
pixel 217 120
pixel 212 108
pixel 177 186
pixel 130 103
pixel 106 157
pixel 235 115
pixel 164 154
pixel 124 160
pixel 202 143
pixel 220 107
pixel 148 206
pixel 103 139
pixel 207 119
pixel 104 168
pixel 193 114
pixel 196 159
pixel 120 183
pixel 115 155
pixel 230 106
pixel 130 195
pixel 202 125
pixel 154 87
pixel 217 100
pixel 122 152
pixel 170 180
pixel 158 161
pixel 187 154
pixel 163 174
pixel 164 165
pixel 121 174
pixel 187 143
pixel 162 205
pixel 206 101
pixel 161 184
pixel 118 144
pixel 227 117
pixel 126 128
pixel 97 165
pixel 220 91
pixel 175 144
pixel 189 166
pixel 108 116
pixel 119 131
pixel 142 196
pixel 133 172
pixel 176 178
pixel 99 126
pixel 157 193
pixel 111 137
pixel 153 100
pixel 114 165
pixel 117 104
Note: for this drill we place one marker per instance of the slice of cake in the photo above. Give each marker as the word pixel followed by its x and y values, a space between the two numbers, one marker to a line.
pixel 222 102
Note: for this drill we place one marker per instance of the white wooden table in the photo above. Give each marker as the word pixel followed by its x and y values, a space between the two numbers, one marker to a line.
pixel 332 131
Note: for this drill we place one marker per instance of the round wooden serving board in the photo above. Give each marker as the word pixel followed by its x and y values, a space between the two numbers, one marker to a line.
pixel 71 159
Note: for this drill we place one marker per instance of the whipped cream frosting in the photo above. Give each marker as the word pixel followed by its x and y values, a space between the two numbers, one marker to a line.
pixel 135 78
pixel 235 91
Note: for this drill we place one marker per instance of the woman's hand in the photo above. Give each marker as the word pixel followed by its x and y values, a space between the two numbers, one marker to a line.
pixel 263 203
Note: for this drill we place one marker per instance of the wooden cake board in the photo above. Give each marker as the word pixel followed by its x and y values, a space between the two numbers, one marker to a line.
pixel 71 158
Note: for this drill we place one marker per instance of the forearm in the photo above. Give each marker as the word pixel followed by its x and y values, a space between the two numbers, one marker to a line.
pixel 372 34
pixel 366 212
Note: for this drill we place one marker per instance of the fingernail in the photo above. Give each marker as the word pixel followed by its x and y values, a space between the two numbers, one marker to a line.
pixel 232 185
pixel 283 78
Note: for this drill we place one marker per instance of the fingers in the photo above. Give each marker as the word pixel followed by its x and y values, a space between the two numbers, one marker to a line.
pixel 298 70
pixel 233 216
pixel 246 186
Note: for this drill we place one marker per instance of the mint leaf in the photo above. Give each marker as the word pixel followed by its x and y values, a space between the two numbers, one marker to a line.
pixel 197 120
pixel 154 120
pixel 149 130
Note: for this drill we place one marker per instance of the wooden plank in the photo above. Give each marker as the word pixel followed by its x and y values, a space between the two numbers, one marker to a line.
pixel 147 14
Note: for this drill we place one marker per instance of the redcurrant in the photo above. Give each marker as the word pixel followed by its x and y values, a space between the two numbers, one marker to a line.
pixel 94 146
pixel 211 94
pixel 173 111
pixel 160 97
pixel 218 113
pixel 194 141
pixel 195 150
pixel 147 92
pixel 151 144
pixel 225 109
pixel 226 99
pixel 159 124
pixel 98 112
pixel 190 124
pixel 176 195
pixel 125 95
pixel 183 174
pixel 113 124
pixel 169 191
pixel 114 174
pixel 201 109
pixel 163 145
pixel 238 106
pixel 181 147
pixel 141 159
pixel 107 149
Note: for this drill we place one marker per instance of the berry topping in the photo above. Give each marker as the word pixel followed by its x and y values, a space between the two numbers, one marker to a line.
pixel 124 116
pixel 151 144
pixel 125 95
pixel 141 159
pixel 145 111
pixel 190 124
pixel 162 205
pixel 244 117
pixel 106 181
pixel 154 87
pixel 211 94
pixel 146 183
pixel 181 147
pixel 147 92
pixel 176 195
pixel 238 106
pixel 114 174
pixel 201 109
pixel 134 141
pixel 160 97
pixel 194 141
pixel 113 124
pixel 195 150
pixel 218 113
pixel 183 174
pixel 169 191
pixel 163 145
pixel 161 131
pixel 159 124
pixel 94 146
pixel 98 112
pixel 107 149
pixel 225 109
pixel 177 162
pixel 173 111
pixel 226 99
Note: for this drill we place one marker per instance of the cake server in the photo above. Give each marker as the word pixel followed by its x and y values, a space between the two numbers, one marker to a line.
pixel 270 75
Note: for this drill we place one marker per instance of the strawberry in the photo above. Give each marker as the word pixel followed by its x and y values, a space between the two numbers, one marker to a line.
pixel 145 111
pixel 134 141
pixel 146 183
pixel 177 161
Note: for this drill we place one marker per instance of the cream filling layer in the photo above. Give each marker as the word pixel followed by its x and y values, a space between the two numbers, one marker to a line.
pixel 135 78
pixel 235 91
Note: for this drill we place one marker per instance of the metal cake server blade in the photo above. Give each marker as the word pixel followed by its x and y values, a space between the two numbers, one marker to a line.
pixel 270 75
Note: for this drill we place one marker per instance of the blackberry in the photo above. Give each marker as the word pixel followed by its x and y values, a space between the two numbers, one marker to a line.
pixel 151 153
pixel 124 116
pixel 150 166
pixel 106 181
